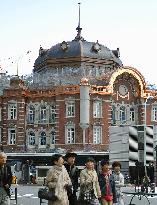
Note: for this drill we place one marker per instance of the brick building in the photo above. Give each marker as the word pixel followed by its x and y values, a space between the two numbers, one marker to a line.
pixel 77 91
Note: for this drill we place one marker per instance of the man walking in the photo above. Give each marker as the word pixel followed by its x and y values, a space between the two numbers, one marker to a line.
pixel 74 174
pixel 5 180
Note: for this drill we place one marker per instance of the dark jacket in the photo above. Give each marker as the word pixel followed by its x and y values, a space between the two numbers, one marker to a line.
pixel 102 183
pixel 73 174
pixel 7 178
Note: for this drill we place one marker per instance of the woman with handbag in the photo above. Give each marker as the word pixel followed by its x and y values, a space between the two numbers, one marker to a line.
pixel 89 185
pixel 107 185
pixel 58 179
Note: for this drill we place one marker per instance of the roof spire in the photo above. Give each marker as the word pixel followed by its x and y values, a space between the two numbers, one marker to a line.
pixel 79 37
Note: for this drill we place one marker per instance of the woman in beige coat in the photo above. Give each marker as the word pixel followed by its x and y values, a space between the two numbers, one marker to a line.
pixel 89 182
pixel 58 178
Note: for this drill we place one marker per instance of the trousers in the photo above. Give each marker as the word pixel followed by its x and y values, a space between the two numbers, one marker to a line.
pixel 4 198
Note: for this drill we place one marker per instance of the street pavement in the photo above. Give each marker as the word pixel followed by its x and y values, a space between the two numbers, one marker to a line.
pixel 28 195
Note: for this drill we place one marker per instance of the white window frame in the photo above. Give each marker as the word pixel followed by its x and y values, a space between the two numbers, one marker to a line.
pixel 43 114
pixel 132 114
pixel 70 134
pixel 70 109
pixel 122 111
pixel 40 138
pixel 52 115
pixel 12 136
pixel 31 138
pixel 154 113
pixel 31 112
pixel 97 109
pixel 97 134
pixel 12 111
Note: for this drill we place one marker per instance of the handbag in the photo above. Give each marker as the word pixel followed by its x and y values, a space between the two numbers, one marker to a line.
pixel 45 193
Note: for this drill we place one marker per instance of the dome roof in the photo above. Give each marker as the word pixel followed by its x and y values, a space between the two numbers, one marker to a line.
pixel 78 48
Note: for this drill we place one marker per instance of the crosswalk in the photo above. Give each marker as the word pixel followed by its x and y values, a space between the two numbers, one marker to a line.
pixel 24 195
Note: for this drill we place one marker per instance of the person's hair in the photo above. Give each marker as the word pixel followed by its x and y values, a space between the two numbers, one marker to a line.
pixel 90 159
pixel 3 154
pixel 55 158
pixel 104 162
pixel 116 164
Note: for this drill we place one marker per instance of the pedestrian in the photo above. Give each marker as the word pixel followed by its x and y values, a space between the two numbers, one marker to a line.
pixel 5 180
pixel 74 175
pixel 150 171
pixel 58 178
pixel 89 185
pixel 107 184
pixel 119 181
pixel 26 172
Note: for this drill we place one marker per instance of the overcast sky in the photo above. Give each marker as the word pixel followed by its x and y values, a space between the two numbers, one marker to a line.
pixel 130 25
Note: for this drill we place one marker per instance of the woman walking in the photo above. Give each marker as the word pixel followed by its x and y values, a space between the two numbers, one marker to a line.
pixel 119 181
pixel 89 185
pixel 107 185
pixel 58 179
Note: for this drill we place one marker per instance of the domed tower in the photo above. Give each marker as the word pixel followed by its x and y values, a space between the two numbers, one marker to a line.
pixel 69 61
pixel 70 69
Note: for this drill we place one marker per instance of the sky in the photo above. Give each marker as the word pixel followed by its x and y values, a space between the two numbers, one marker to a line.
pixel 130 25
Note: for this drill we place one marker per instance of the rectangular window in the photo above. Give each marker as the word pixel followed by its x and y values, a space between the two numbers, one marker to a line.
pixel 12 111
pixel 43 114
pixel 97 131
pixel 70 134
pixel 122 113
pixel 70 109
pixel 97 109
pixel 11 136
pixel 52 137
pixel 132 114
pixel 154 114
pixel 31 116
pixel 52 115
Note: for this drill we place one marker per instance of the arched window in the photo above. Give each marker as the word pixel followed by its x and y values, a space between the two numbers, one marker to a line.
pixel 31 138
pixel 42 140
pixel 31 114
pixel 122 116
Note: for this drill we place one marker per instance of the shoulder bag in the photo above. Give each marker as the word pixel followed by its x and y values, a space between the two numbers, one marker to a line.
pixel 47 194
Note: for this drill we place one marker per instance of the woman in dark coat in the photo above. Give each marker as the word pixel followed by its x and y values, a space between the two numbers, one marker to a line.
pixel 107 185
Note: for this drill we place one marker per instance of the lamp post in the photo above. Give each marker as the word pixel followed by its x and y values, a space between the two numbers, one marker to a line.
pixel 145 127
pixel 18 59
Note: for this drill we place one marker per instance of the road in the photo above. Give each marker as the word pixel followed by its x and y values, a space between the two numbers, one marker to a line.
pixel 28 195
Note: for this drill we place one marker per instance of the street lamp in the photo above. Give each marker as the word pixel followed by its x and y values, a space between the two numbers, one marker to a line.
pixel 19 58
pixel 145 126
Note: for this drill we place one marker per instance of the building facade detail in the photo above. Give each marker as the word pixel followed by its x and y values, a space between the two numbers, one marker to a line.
pixel 77 90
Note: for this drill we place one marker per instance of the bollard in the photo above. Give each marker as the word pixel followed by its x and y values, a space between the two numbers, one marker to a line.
pixel 16 194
